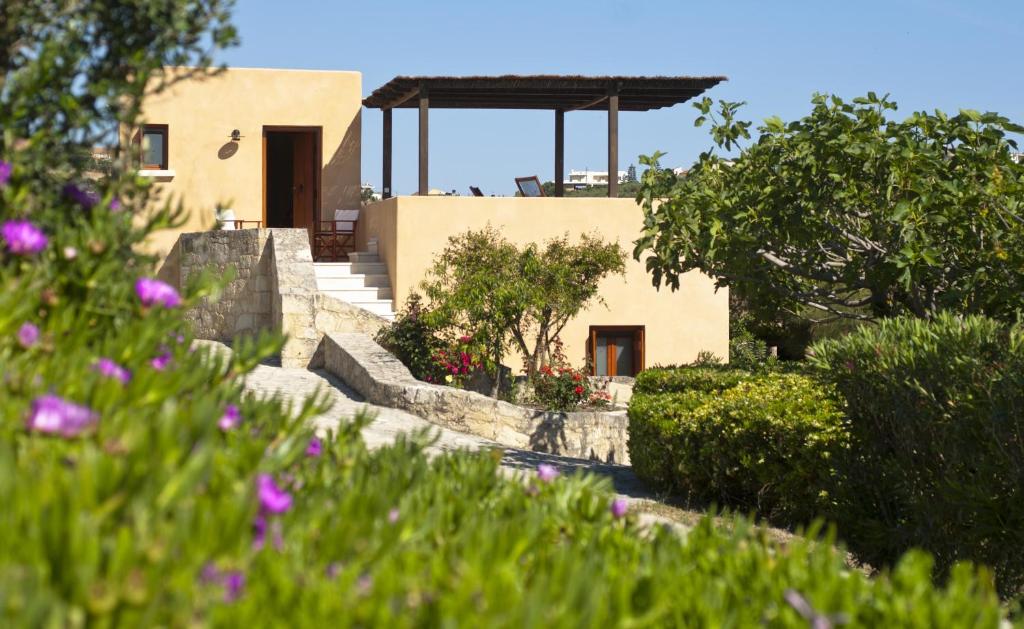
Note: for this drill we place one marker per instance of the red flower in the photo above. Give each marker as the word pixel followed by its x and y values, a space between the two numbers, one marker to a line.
pixel 578 390
pixel 576 377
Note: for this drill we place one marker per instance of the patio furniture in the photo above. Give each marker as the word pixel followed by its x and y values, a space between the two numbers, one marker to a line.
pixel 529 186
pixel 334 239
pixel 476 191
pixel 228 222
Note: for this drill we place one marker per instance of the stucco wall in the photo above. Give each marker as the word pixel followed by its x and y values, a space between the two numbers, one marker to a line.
pixel 211 170
pixel 678 324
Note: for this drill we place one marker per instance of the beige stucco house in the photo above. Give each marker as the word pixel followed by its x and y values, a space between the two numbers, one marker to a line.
pixel 281 149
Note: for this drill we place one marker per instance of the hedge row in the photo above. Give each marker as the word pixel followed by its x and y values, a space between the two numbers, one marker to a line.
pixel 910 434
pixel 765 442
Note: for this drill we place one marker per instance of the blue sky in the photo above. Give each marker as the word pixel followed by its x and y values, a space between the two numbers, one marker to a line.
pixel 927 54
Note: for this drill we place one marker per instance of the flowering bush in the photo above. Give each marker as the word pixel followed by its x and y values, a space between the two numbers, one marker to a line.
pixel 457 363
pixel 560 388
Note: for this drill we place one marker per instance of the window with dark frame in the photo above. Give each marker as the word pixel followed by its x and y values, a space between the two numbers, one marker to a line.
pixel 153 139
pixel 616 350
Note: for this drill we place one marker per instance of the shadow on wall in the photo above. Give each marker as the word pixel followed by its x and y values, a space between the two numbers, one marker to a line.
pixel 338 193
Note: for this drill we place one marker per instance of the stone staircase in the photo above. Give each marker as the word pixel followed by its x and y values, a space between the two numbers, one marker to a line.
pixel 362 281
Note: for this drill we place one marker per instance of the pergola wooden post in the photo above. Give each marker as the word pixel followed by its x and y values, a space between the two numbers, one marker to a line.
pixel 386 183
pixel 613 143
pixel 424 152
pixel 559 152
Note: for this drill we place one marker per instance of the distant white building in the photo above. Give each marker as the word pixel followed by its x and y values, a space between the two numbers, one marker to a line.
pixel 588 178
pixel 1017 157
pixel 368 193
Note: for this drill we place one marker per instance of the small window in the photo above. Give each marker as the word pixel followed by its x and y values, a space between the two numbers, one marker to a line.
pixel 617 350
pixel 153 138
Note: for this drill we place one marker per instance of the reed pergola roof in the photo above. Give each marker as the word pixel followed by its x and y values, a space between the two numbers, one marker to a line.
pixel 566 93
pixel 542 91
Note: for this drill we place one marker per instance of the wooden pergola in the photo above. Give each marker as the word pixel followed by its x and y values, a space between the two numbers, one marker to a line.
pixel 558 93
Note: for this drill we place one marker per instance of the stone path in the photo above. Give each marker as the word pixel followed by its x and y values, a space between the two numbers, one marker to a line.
pixel 295 385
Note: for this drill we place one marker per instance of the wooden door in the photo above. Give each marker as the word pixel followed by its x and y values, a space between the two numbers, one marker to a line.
pixel 304 180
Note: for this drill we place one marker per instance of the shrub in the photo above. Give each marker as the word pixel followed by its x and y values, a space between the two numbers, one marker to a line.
pixel 414 341
pixel 708 379
pixel 560 389
pixel 763 442
pixel 936 414
pixel 458 362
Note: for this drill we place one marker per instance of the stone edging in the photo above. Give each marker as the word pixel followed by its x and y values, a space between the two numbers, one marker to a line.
pixel 383 380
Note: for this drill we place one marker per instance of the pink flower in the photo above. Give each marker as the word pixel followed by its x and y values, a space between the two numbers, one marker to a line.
pixel 315 447
pixel 115 205
pixel 231 418
pixel 393 516
pixel 5 172
pixel 52 414
pixel 28 335
pixel 465 339
pixel 273 499
pixel 23 238
pixel 547 473
pixel 619 508
pixel 160 362
pixel 108 368
pixel 153 292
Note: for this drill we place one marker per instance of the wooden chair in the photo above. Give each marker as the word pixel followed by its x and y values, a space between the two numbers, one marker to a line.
pixel 334 239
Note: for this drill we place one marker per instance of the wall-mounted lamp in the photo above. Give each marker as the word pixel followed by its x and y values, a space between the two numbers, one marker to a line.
pixel 236 135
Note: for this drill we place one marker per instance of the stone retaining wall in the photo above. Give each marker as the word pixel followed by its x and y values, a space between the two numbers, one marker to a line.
pixel 274 289
pixel 383 380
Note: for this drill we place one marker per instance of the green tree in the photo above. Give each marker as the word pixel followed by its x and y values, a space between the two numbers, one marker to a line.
pixel 507 297
pixel 847 212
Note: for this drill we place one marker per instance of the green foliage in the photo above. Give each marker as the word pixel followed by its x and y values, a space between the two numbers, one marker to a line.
pixel 936 413
pixel 504 296
pixel 762 442
pixel 560 389
pixel 847 213
pixel 413 340
pixel 627 190
pixel 147 513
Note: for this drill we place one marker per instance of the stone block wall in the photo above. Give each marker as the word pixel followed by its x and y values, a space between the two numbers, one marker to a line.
pixel 274 288
pixel 244 306
pixel 383 380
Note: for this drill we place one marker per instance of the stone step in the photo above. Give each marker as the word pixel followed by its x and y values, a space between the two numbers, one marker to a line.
pixel 344 269
pixel 380 307
pixel 352 281
pixel 363 256
pixel 361 294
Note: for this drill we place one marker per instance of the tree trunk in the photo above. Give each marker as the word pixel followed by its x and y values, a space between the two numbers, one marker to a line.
pixel 539 349
pixel 496 386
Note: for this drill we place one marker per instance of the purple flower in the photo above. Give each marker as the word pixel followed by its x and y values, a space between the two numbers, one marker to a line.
pixel 115 205
pixel 234 583
pixel 393 516
pixel 259 531
pixel 5 172
pixel 160 362
pixel 28 334
pixel 273 499
pixel 86 198
pixel 52 414
pixel 619 508
pixel 332 570
pixel 547 473
pixel 108 368
pixel 153 292
pixel 315 447
pixel 23 238
pixel 209 573
pixel 231 418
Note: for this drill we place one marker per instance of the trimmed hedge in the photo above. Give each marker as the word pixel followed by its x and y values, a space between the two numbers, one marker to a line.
pixel 936 412
pixel 763 442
